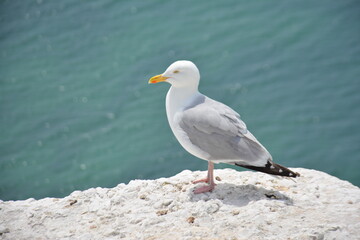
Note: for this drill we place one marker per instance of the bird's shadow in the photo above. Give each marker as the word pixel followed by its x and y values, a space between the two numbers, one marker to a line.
pixel 239 195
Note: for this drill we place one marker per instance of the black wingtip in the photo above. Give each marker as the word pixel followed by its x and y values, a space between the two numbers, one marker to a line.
pixel 272 168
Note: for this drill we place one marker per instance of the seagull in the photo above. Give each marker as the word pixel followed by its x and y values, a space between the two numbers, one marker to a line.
pixel 210 130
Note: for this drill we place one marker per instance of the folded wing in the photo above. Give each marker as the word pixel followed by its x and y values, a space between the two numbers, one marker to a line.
pixel 218 130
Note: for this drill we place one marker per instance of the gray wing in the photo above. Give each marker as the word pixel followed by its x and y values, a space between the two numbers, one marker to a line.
pixel 218 130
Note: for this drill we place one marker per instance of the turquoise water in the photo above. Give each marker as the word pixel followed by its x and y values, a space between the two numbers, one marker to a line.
pixel 77 112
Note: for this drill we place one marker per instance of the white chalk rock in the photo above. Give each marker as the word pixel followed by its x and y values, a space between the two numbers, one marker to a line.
pixel 244 205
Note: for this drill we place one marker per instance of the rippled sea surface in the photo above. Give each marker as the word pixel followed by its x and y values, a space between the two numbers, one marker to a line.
pixel 76 110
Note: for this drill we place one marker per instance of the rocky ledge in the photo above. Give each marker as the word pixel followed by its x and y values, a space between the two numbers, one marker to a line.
pixel 244 205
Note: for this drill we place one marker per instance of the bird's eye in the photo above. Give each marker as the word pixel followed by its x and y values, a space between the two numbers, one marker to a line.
pixel 176 71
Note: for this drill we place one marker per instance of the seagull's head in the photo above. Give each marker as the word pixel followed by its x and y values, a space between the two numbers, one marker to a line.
pixel 180 74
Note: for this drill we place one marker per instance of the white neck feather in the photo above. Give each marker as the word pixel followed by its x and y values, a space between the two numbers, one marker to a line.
pixel 178 98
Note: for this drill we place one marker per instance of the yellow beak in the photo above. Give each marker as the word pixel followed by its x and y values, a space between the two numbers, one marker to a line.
pixel 158 78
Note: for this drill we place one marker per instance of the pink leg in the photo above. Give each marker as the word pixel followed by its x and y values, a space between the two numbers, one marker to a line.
pixel 209 180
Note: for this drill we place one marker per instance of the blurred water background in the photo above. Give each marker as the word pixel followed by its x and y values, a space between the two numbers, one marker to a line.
pixel 76 110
